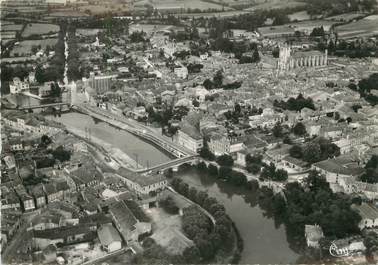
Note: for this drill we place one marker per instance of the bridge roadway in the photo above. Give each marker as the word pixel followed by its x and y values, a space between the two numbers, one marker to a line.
pixel 45 106
pixel 170 164
pixel 136 129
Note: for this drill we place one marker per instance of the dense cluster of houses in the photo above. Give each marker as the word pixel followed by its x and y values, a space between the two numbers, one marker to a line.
pixel 75 200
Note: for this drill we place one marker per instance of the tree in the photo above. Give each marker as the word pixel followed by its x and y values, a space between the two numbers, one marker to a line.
pixel 205 151
pixel 60 154
pixel 55 90
pixel 299 129
pixel 169 205
pixel 224 172
pixel 276 52
pixel 183 189
pixel 213 170
pixel 256 56
pixel 208 84
pixel 201 166
pixel 192 255
pixel 168 173
pixel 218 79
pixel 225 160
pixel 256 159
pixel 280 175
pixel 371 170
pixel 253 168
pixel 45 140
pixel 371 243
pixel 39 75
pixel 296 151
pixel 312 153
pixel 201 197
pixel 277 130
pixel 238 178
pixel 192 194
pixel 205 247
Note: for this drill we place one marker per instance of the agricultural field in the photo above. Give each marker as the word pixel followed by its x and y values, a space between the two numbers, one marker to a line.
pixel 39 29
pixel 25 47
pixel 362 28
pixel 5 23
pixel 185 5
pixel 88 32
pixel 310 24
pixel 215 14
pixel 276 5
pixel 11 27
pixel 346 17
pixel 103 8
pixel 148 28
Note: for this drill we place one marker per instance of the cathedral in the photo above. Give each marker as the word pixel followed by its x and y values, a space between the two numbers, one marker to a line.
pixel 288 60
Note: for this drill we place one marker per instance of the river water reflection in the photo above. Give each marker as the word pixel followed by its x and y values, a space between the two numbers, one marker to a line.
pixel 263 242
pixel 134 147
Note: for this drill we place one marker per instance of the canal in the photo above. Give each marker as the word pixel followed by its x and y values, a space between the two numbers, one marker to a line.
pixel 134 147
pixel 264 243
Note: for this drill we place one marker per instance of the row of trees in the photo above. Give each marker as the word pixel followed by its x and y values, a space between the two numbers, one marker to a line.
pixel 318 149
pixel 249 21
pixel 295 104
pixel 208 239
pixel 74 71
pixel 225 173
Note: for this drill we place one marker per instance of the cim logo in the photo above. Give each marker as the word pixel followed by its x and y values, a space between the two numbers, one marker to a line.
pixel 335 251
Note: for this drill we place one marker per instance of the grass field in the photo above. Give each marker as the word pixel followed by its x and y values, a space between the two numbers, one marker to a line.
pixel 276 5
pixel 103 8
pixel 361 28
pixel 39 29
pixel 11 27
pixel 346 16
pixel 25 46
pixel 185 5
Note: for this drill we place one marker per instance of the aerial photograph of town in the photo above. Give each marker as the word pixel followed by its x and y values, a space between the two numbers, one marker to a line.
pixel 189 132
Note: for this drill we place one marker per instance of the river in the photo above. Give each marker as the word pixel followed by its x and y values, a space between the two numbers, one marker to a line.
pixel 263 242
pixel 134 147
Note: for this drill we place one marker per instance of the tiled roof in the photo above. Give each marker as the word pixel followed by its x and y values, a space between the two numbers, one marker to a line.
pixel 141 179
pixel 108 234
pixel 62 232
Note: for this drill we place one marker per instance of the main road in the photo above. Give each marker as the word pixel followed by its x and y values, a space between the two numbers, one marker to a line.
pixel 136 128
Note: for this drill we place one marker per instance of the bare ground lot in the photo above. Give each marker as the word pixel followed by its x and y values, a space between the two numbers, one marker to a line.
pixel 39 29
pixel 194 4
pixel 276 5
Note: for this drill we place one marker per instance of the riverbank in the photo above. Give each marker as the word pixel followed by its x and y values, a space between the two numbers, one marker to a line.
pixel 264 240
pixel 123 146
pixel 119 156
pixel 224 244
